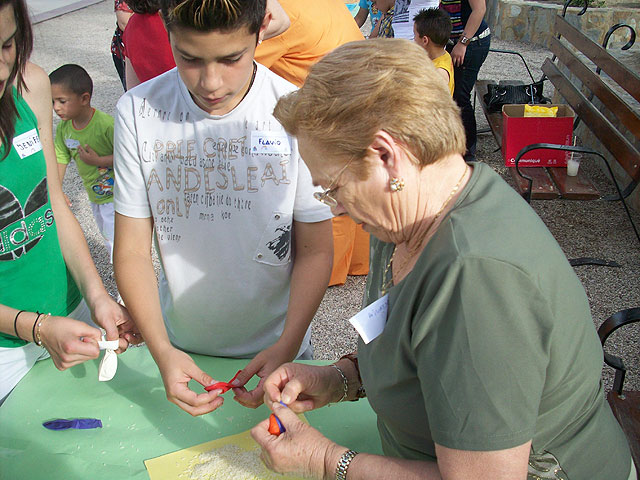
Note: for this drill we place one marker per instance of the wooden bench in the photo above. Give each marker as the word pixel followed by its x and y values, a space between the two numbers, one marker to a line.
pixel 548 183
pixel 597 104
pixel 624 403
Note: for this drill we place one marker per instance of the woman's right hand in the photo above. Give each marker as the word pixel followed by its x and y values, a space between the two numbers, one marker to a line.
pixel 303 387
pixel 177 368
pixel 68 341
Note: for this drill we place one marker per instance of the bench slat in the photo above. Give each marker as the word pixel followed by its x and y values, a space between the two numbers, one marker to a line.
pixel 624 152
pixel 543 187
pixel 611 100
pixel 626 78
pixel 574 188
pixel 627 412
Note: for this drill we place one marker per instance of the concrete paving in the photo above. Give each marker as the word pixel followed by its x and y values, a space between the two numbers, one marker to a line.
pixel 42 10
pixel 582 228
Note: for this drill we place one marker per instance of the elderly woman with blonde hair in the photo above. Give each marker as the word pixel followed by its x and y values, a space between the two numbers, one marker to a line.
pixel 487 364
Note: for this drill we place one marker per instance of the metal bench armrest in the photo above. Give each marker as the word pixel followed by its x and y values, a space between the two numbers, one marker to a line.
pixel 610 325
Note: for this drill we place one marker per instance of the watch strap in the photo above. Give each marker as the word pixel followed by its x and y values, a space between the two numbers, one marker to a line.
pixel 343 464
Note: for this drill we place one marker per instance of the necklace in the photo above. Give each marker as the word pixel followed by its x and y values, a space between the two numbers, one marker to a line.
pixel 388 279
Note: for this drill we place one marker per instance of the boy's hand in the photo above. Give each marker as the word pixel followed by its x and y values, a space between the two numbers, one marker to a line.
pixel 88 155
pixel 262 365
pixel 177 368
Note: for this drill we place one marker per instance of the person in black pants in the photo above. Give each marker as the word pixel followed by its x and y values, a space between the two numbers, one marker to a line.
pixel 469 46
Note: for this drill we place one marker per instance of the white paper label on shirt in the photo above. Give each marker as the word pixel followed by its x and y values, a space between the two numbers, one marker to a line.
pixel 270 142
pixel 370 321
pixel 27 143
pixel 71 143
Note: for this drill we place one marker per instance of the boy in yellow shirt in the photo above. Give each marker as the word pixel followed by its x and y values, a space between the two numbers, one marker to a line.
pixel 431 30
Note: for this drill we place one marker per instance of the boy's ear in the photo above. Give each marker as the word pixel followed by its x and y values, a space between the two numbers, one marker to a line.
pixel 424 41
pixel 265 25
pixel 85 98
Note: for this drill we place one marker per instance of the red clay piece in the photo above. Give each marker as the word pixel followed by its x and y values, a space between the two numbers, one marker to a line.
pixel 224 386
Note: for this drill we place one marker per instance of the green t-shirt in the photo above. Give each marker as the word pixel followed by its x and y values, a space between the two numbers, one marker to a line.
pixel 98 134
pixel 489 343
pixel 33 275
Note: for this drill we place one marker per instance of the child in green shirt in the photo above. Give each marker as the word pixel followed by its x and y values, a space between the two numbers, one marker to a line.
pixel 85 135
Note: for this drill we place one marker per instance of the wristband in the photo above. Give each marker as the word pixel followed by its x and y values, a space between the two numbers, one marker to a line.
pixel 343 464
pixel 15 323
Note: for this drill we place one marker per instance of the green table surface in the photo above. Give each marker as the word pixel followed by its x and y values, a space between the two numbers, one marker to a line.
pixel 138 421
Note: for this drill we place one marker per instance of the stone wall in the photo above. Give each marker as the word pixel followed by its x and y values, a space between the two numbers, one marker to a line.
pixel 532 22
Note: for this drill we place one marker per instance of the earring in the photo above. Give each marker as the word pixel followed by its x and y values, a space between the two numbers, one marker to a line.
pixel 396 184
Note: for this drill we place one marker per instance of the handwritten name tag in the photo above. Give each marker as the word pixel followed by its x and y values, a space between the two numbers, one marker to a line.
pixel 27 143
pixel 370 321
pixel 71 143
pixel 270 142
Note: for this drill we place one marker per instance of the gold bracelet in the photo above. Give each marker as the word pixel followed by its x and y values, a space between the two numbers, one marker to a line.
pixel 38 339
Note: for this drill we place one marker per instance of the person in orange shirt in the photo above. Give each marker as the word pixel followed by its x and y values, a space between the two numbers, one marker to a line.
pixel 302 32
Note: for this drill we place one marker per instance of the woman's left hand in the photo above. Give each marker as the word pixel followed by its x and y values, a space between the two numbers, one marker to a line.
pixel 458 53
pixel 301 450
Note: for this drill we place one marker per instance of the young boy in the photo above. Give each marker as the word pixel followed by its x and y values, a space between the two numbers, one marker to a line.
pixel 431 30
pixel 203 167
pixel 384 27
pixel 85 135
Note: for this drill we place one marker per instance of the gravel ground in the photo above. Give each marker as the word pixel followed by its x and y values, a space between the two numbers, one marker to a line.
pixel 582 228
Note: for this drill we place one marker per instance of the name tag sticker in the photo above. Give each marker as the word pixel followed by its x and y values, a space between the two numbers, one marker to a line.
pixel 71 143
pixel 270 142
pixel 370 321
pixel 27 143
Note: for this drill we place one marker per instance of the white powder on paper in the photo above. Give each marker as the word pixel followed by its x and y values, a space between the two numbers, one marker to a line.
pixel 230 462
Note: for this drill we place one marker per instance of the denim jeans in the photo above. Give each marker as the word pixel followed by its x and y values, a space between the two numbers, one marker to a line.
pixel 465 77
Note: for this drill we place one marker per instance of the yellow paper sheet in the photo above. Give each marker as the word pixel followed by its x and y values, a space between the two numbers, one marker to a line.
pixel 179 465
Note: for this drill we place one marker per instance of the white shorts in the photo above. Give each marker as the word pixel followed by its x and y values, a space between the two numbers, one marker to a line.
pixel 16 362
pixel 104 214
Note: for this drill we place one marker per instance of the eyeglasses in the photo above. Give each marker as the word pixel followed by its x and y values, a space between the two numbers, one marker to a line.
pixel 326 196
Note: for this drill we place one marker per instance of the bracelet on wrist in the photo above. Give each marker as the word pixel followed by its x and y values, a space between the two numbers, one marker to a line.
pixel 343 464
pixel 38 339
pixel 15 323
pixel 353 358
pixel 33 329
pixel 345 383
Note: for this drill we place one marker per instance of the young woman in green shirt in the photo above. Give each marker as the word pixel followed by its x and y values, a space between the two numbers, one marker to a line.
pixel 45 266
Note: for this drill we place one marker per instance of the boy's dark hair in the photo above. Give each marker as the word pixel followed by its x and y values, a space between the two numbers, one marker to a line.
pixel 435 24
pixel 144 6
pixel 24 45
pixel 210 15
pixel 72 77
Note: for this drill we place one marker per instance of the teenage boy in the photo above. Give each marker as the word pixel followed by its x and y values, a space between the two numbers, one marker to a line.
pixel 431 30
pixel 85 135
pixel 204 168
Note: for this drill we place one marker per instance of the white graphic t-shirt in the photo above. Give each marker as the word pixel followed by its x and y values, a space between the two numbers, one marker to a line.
pixel 223 192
